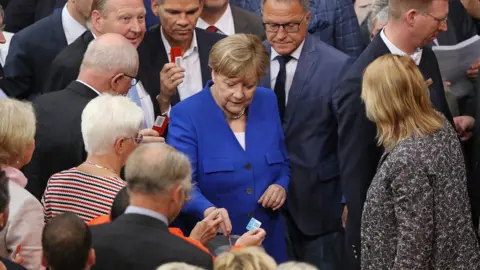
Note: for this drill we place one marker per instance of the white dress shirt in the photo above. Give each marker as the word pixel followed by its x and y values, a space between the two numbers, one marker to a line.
pixel 71 27
pixel 225 24
pixel 291 67
pixel 192 82
pixel 4 47
pixel 89 86
pixel 416 56
pixel 240 138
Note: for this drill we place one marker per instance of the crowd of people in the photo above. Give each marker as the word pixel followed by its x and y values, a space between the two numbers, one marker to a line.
pixel 297 134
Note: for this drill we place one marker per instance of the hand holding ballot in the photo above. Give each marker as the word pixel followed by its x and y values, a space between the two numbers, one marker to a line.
pixel 274 197
pixel 206 229
pixel 149 136
pixel 472 72
pixel 252 238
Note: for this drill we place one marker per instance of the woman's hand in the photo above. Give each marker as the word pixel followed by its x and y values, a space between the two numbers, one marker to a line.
pixel 206 229
pixel 226 224
pixel 252 238
pixel 274 197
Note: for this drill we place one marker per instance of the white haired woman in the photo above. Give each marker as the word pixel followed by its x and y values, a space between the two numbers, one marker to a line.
pixel 25 224
pixel 110 130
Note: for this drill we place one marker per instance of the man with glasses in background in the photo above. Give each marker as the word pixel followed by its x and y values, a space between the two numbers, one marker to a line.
pixel 304 73
pixel 411 27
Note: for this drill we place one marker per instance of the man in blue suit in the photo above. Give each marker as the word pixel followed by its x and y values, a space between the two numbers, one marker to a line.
pixel 33 49
pixel 304 73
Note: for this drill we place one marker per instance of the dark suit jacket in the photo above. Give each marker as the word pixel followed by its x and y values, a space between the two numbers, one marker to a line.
pixel 139 242
pixel 460 25
pixel 358 151
pixel 58 140
pixel 66 65
pixel 311 137
pixel 153 57
pixel 11 265
pixel 23 13
pixel 247 22
pixel 29 58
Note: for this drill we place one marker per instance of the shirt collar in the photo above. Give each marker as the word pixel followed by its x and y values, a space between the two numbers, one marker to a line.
pixel 15 175
pixel 416 56
pixel 146 212
pixel 71 27
pixel 224 24
pixel 89 86
pixel 295 54
pixel 193 45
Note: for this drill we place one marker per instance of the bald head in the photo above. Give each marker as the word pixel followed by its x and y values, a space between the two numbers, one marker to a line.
pixel 110 54
pixel 155 167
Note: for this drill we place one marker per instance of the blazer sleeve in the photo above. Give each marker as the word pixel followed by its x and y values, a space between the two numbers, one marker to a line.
pixel 18 70
pixel 59 76
pixel 182 136
pixel 347 29
pixel 26 228
pixel 284 177
pixel 414 211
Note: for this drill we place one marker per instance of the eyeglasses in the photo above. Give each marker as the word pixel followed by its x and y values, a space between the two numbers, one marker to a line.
pixel 134 80
pixel 291 27
pixel 440 21
pixel 138 139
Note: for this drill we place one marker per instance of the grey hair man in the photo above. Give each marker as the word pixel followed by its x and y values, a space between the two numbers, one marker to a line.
pixel 377 20
pixel 109 64
pixel 158 181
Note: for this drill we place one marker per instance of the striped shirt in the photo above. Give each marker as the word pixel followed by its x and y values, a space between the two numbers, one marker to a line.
pixel 85 195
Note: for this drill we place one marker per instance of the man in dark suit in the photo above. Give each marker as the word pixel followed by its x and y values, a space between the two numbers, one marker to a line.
pixel 58 140
pixel 412 25
pixel 23 13
pixel 223 18
pixel 170 83
pixel 67 243
pixel 29 57
pixel 314 208
pixel 158 181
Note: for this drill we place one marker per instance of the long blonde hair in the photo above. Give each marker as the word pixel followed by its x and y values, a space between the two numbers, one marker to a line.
pixel 397 99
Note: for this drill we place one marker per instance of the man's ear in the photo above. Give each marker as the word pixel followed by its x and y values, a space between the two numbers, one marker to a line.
pixel 91 257
pixel 44 260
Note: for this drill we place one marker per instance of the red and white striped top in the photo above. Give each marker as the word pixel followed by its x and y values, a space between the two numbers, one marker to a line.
pixel 86 195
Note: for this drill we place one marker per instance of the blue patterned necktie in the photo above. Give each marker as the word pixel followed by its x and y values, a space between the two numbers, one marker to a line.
pixel 133 95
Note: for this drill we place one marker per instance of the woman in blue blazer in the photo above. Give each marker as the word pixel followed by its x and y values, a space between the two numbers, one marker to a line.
pixel 231 132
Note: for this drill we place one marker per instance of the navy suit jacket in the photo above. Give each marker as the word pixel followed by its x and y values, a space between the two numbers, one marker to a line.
pixel 30 56
pixel 358 151
pixel 23 13
pixel 314 199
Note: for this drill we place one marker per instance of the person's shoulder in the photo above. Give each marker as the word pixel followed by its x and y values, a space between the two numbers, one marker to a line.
pixel 182 245
pixel 22 199
pixel 11 265
pixel 194 102
pixel 264 93
pixel 38 30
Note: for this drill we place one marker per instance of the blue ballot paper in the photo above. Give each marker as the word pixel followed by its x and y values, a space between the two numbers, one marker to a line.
pixel 253 224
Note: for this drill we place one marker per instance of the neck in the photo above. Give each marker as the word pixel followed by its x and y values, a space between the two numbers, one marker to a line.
pixel 185 45
pixel 76 15
pixel 400 37
pixel 156 203
pixel 95 79
pixel 110 161
pixel 212 15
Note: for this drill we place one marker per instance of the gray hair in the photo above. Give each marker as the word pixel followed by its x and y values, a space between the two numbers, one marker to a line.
pixel 178 266
pixel 296 266
pixel 155 167
pixel 378 17
pixel 304 3
pixel 107 118
pixel 111 53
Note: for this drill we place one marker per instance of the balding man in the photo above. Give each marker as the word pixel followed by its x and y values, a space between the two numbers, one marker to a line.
pixel 124 17
pixel 109 65
pixel 158 181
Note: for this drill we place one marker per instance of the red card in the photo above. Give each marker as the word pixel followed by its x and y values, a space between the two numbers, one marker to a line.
pixel 174 53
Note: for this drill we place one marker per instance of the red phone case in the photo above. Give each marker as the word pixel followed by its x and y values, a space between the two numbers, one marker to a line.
pixel 160 124
pixel 174 53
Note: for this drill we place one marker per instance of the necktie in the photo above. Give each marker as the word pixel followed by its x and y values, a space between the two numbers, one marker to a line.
pixel 280 83
pixel 212 29
pixel 133 95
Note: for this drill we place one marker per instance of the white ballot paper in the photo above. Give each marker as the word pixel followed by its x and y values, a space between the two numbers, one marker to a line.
pixel 454 61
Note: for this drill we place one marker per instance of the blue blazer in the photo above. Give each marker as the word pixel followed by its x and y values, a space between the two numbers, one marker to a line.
pixel 315 194
pixel 31 53
pixel 224 174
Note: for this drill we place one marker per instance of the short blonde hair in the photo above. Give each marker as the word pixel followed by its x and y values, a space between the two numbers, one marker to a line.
pixel 240 56
pixel 17 129
pixel 296 266
pixel 397 99
pixel 249 258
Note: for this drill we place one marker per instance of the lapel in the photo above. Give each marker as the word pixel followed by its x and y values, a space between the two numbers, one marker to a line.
pixel 59 40
pixel 239 23
pixel 303 67
pixel 203 52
